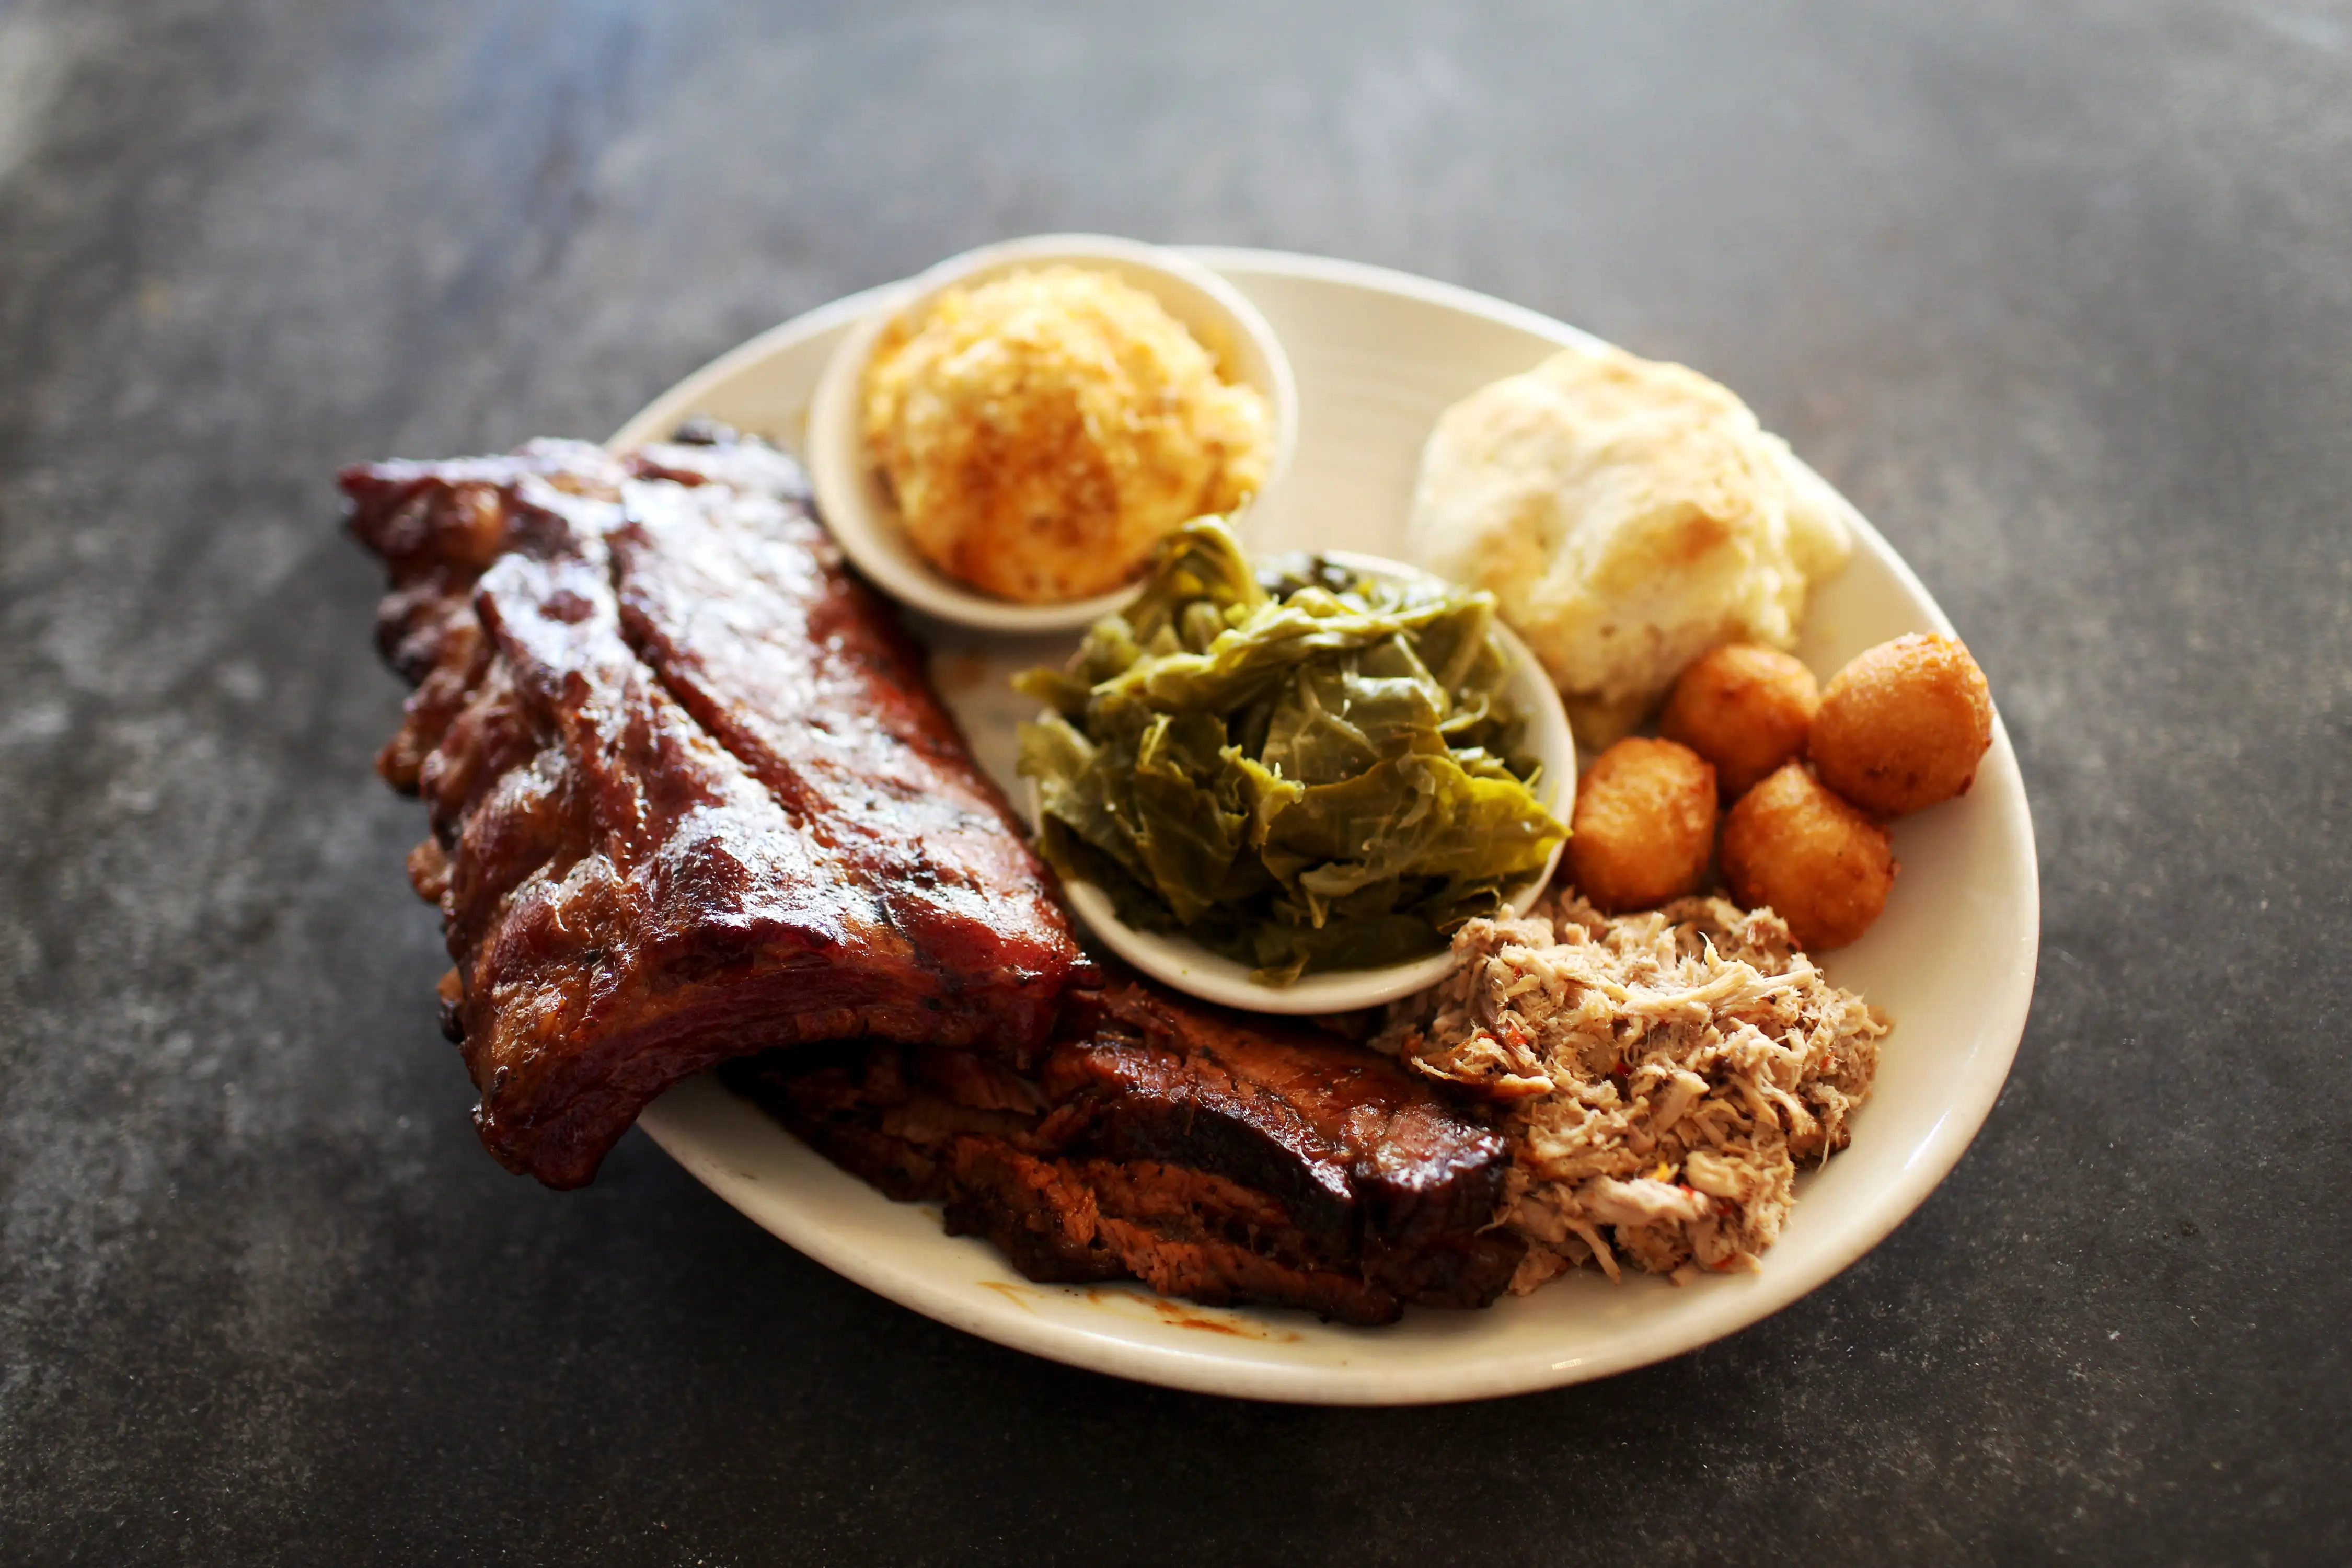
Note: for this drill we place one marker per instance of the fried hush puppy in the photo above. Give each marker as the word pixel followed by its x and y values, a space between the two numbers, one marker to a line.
pixel 1823 867
pixel 1643 826
pixel 1745 709
pixel 1904 725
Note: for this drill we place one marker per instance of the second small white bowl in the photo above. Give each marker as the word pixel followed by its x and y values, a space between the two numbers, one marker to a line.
pixel 1189 967
pixel 859 510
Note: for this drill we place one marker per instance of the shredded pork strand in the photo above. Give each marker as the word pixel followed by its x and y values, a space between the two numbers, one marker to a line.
pixel 1659 1076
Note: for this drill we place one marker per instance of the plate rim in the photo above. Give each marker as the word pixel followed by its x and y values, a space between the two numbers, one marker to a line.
pixel 1932 1158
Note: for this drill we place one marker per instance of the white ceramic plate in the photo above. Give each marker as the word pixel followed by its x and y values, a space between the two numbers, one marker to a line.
pixel 1376 354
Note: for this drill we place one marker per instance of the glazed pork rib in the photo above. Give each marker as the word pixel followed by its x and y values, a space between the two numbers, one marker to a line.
pixel 691 795
pixel 1214 1157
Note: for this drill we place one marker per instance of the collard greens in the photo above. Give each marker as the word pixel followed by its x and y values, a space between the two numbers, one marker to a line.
pixel 1302 769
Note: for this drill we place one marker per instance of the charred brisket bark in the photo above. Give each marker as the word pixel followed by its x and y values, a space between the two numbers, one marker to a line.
pixel 1210 1156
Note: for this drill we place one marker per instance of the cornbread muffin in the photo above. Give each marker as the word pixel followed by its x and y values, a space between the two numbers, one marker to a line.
pixel 1042 431
pixel 1628 515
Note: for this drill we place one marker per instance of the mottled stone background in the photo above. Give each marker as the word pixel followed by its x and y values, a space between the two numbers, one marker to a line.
pixel 2062 295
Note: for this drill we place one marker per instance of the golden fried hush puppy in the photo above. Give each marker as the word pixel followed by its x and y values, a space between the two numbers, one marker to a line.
pixel 1902 726
pixel 1645 823
pixel 1823 867
pixel 1745 709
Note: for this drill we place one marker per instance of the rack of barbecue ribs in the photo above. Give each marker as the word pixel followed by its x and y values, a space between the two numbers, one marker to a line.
pixel 691 794
pixel 694 801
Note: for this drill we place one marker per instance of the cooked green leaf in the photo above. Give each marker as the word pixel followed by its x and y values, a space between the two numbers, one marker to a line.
pixel 1309 768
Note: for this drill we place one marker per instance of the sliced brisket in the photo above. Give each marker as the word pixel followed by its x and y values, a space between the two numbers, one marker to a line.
pixel 1210 1156
pixel 1350 1143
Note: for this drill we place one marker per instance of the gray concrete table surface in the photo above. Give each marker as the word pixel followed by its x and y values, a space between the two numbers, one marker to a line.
pixel 2061 295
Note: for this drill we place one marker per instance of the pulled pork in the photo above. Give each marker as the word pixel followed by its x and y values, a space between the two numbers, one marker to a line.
pixel 1659 1077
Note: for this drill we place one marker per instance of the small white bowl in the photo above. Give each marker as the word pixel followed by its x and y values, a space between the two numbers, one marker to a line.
pixel 859 510
pixel 1188 966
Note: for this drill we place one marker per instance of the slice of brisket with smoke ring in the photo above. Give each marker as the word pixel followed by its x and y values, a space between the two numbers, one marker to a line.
pixel 690 793
pixel 1348 1141
pixel 1212 1156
